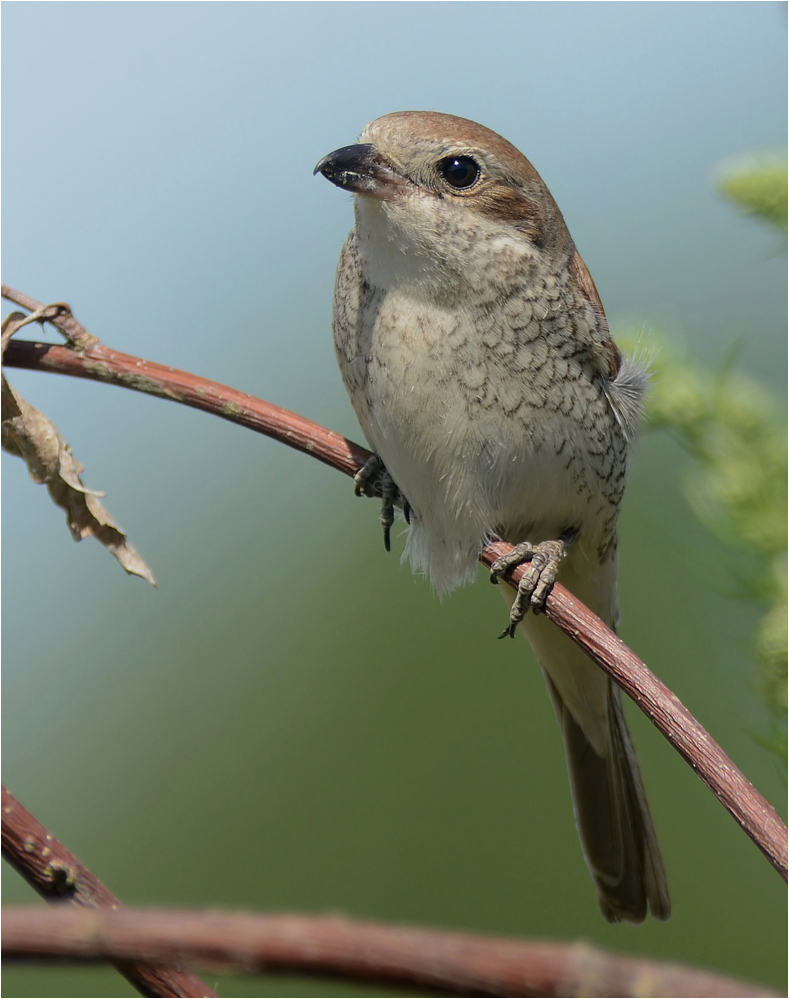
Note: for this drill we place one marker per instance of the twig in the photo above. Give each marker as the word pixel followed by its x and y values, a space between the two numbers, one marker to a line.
pixel 58 876
pixel 668 714
pixel 749 808
pixel 100 363
pixel 464 964
pixel 58 313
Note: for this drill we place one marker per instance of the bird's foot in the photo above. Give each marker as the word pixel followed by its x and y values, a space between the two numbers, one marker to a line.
pixel 373 480
pixel 536 582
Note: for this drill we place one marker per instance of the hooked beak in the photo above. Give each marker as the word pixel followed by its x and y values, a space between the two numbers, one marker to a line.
pixel 362 170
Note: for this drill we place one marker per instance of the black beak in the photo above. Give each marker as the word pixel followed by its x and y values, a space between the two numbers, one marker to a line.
pixel 361 169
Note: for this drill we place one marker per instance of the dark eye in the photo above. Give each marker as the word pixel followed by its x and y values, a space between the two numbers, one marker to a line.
pixel 459 171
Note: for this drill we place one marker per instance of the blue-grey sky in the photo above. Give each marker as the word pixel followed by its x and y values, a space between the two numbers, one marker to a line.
pixel 160 153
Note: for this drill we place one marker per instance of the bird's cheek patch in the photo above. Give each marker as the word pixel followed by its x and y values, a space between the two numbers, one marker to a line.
pixel 503 204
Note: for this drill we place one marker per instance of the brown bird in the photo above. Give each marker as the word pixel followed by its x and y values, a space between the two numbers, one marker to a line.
pixel 478 359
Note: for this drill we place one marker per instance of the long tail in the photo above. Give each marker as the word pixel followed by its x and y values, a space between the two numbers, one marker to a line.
pixel 611 811
pixel 613 819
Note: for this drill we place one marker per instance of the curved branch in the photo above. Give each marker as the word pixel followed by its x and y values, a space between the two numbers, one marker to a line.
pixel 464 964
pixel 99 363
pixel 58 876
pixel 748 807
pixel 752 811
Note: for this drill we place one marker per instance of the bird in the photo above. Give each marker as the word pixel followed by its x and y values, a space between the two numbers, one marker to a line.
pixel 475 350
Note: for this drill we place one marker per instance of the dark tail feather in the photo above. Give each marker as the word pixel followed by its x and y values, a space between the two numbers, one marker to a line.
pixel 612 815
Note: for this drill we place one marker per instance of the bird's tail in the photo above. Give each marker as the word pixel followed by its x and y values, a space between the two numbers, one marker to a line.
pixel 612 816
pixel 611 811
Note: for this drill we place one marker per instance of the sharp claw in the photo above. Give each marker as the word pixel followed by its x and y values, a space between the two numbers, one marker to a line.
pixel 374 480
pixel 509 631
pixel 536 583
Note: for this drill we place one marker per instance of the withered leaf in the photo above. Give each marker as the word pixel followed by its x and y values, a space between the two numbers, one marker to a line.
pixel 30 435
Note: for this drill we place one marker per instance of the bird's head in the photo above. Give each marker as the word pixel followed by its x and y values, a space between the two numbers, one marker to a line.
pixel 448 200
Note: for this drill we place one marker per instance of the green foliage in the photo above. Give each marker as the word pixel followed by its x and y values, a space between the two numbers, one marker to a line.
pixel 735 431
pixel 757 185
pixel 730 423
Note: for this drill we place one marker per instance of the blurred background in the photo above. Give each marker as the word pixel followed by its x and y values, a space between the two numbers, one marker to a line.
pixel 291 721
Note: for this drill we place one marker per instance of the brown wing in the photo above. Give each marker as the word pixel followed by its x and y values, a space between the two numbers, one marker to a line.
pixel 604 348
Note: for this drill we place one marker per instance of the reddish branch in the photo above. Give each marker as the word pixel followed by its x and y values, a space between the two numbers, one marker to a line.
pixel 750 809
pixel 460 963
pixel 56 874
pixel 669 715
pixel 149 947
pixel 100 363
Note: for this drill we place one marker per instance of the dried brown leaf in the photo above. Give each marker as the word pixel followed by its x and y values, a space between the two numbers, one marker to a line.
pixel 30 435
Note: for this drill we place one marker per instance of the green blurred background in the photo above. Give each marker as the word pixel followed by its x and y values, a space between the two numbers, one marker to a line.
pixel 291 721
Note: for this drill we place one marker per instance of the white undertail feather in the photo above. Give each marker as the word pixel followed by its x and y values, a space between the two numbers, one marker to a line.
pixel 626 394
